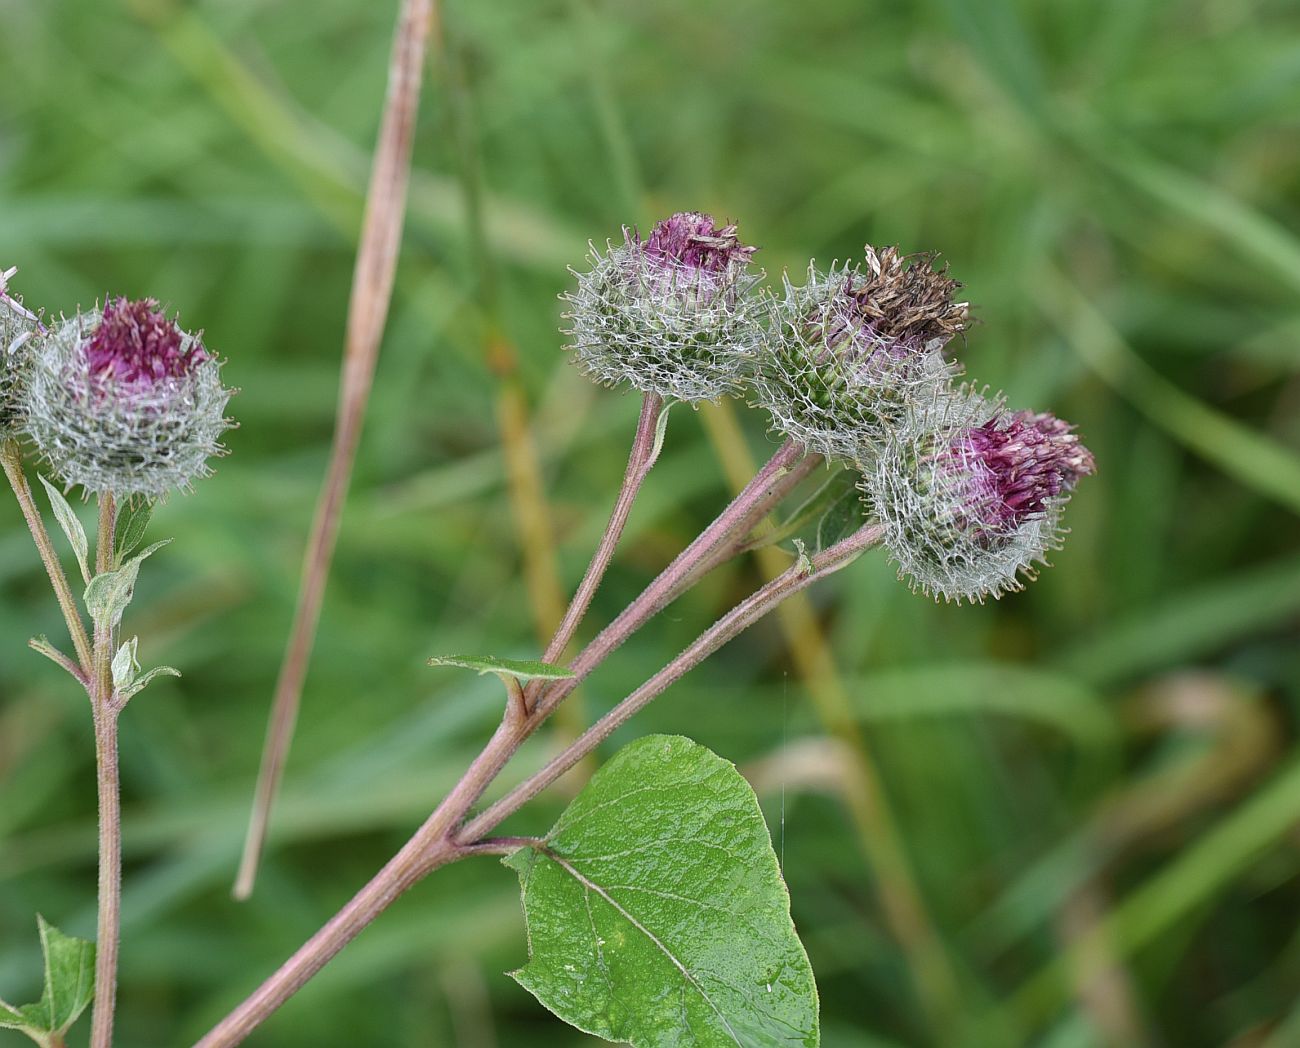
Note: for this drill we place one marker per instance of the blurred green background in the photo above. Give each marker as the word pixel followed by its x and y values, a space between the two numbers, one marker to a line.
pixel 1095 784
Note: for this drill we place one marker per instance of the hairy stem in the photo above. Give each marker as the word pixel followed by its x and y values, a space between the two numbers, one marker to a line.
pixel 430 847
pixel 640 460
pixel 797 577
pixel 443 839
pixel 110 800
pixel 742 538
pixel 372 286
pixel 12 460
pixel 655 597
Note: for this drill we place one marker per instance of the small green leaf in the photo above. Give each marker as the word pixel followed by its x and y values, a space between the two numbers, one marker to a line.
pixel 520 669
pixel 125 664
pixel 841 518
pixel 656 911
pixel 109 593
pixel 132 520
pixel 71 526
pixel 69 986
pixel 43 645
pixel 815 506
pixel 661 429
pixel 145 679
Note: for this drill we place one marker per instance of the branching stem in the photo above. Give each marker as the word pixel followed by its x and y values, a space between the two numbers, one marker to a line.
pixel 655 597
pixel 443 838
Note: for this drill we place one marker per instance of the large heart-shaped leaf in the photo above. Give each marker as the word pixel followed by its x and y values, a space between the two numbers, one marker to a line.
pixel 656 911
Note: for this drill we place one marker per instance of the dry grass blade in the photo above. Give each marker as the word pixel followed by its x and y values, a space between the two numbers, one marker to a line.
pixel 372 286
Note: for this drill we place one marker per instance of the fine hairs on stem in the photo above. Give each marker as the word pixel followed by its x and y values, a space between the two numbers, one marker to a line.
pixel 110 802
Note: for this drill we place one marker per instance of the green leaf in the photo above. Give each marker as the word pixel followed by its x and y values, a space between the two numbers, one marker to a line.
pixel 127 679
pixel 656 911
pixel 845 515
pixel 43 645
pixel 125 664
pixel 145 679
pixel 109 593
pixel 520 669
pixel 69 986
pixel 132 520
pixel 71 526
pixel 661 428
pixel 840 485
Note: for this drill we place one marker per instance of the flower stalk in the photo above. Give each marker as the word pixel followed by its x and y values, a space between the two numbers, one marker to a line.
pixel 645 451
pixel 105 710
pixel 12 461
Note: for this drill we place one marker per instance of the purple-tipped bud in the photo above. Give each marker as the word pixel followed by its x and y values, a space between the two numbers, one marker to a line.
pixel 136 344
pixel 971 496
pixel 126 402
pixel 690 240
pixel 1016 465
pixel 674 314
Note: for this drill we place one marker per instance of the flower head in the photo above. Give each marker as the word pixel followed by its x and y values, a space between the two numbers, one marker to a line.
pixel 135 344
pixel 126 402
pixel 673 314
pixel 846 354
pixel 19 329
pixel 971 495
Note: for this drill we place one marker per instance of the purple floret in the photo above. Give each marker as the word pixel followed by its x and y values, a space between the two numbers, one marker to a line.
pixel 1017 464
pixel 691 240
pixel 136 344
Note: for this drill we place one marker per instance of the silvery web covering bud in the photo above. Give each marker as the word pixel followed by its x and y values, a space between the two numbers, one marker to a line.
pixel 846 354
pixel 19 329
pixel 674 314
pixel 970 495
pixel 126 402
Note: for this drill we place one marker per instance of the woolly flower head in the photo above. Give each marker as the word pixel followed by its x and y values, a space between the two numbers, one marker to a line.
pixel 846 354
pixel 674 314
pixel 126 402
pixel 18 330
pixel 970 495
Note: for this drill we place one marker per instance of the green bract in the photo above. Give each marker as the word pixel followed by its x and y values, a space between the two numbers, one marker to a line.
pixel 19 330
pixel 665 328
pixel 931 499
pixel 123 436
pixel 829 380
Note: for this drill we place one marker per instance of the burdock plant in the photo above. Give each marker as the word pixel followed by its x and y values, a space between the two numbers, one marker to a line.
pixel 128 408
pixel 655 907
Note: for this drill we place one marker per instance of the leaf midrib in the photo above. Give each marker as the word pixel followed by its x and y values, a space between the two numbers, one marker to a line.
pixel 591 885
